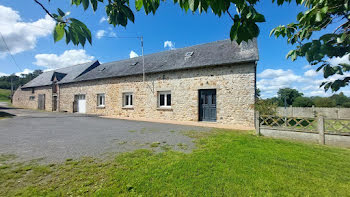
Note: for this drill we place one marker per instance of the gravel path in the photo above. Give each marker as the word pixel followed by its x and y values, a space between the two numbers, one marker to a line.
pixel 55 137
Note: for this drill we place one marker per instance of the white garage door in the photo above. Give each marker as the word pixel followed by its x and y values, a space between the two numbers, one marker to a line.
pixel 81 103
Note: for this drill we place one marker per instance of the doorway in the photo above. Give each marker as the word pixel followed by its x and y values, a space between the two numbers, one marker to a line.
pixel 207 105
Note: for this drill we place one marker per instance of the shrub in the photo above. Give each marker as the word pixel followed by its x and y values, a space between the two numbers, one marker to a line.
pixel 324 102
pixel 303 102
pixel 266 107
pixel 346 105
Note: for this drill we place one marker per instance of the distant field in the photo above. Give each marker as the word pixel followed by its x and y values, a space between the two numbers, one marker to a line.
pixel 5 95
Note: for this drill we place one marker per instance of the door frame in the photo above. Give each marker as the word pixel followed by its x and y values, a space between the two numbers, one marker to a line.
pixel 54 103
pixel 200 116
pixel 41 97
pixel 76 99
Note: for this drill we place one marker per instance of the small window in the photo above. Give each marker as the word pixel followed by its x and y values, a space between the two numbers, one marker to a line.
pixel 128 99
pixel 32 98
pixel 164 99
pixel 100 100
pixel 33 90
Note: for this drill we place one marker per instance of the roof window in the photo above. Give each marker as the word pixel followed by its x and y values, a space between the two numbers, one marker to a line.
pixel 188 55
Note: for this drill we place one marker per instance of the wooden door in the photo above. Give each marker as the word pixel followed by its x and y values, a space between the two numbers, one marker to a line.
pixel 41 101
pixel 207 105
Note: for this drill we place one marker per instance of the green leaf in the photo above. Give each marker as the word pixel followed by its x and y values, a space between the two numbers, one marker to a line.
pixel 138 5
pixel 67 36
pixel 60 12
pixel 318 17
pixel 58 32
pixel 259 18
pixel 94 4
pixel 85 4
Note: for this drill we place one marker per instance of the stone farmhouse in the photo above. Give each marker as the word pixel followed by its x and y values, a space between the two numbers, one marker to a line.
pixel 213 82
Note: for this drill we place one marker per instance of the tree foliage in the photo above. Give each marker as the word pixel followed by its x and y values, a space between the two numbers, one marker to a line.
pixel 288 95
pixel 5 81
pixel 303 102
pixel 324 102
pixel 297 100
pixel 320 16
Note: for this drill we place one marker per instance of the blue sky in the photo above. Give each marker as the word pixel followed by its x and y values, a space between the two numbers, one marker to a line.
pixel 32 46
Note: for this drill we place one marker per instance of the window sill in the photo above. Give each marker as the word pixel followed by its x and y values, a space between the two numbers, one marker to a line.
pixel 165 108
pixel 128 107
pixel 101 107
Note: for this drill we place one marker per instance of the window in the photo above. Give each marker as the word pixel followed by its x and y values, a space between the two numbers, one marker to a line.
pixel 164 99
pixel 33 90
pixel 127 99
pixel 31 98
pixel 100 100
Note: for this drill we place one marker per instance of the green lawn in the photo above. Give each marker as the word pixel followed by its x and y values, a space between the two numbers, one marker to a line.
pixel 5 95
pixel 225 163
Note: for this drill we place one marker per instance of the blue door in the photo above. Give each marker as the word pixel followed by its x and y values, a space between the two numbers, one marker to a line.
pixel 207 105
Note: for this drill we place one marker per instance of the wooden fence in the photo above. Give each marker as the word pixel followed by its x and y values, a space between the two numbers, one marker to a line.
pixel 321 126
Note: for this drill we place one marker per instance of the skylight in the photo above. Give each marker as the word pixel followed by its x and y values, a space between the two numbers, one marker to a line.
pixel 188 54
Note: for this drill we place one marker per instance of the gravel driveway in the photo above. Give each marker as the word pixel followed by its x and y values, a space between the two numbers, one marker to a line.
pixel 55 137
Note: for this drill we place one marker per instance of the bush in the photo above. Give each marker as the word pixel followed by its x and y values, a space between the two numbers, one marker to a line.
pixel 324 102
pixel 346 105
pixel 266 107
pixel 303 102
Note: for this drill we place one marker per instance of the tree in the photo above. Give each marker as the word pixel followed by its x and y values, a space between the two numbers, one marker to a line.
pixel 5 81
pixel 302 102
pixel 319 15
pixel 340 99
pixel 266 107
pixel 289 95
pixel 324 102
pixel 258 93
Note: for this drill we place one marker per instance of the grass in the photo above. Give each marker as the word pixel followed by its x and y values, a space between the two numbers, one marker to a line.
pixel 225 163
pixel 5 95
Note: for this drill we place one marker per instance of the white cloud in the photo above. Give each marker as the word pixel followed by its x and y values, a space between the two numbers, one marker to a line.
pixel 308 66
pixel 169 44
pixel 112 34
pixel 271 80
pixel 311 73
pixel 25 71
pixel 271 73
pixel 337 60
pixel 103 19
pixel 133 54
pixel 67 58
pixel 100 34
pixel 21 36
pixel 3 74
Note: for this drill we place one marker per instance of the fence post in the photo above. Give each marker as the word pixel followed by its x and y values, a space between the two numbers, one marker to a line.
pixel 257 123
pixel 320 128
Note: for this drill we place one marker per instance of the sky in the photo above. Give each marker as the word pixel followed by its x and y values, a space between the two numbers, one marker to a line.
pixel 27 32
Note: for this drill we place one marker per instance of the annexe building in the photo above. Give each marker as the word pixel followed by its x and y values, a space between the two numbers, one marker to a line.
pixel 212 82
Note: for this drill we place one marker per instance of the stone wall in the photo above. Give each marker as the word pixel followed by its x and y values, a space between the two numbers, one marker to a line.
pixel 21 98
pixel 235 89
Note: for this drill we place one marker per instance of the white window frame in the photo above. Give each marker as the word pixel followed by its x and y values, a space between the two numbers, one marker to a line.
pixel 128 97
pixel 165 93
pixel 99 96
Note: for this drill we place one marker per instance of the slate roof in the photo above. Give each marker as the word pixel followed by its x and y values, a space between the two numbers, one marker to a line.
pixel 71 73
pixel 210 54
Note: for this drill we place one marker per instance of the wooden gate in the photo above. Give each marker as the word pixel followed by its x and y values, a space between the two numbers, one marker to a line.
pixel 41 101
